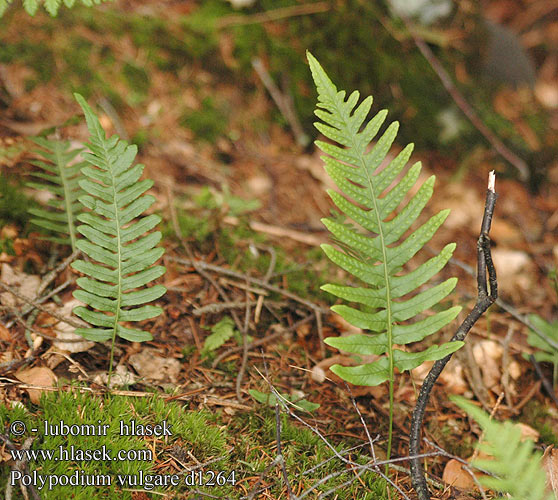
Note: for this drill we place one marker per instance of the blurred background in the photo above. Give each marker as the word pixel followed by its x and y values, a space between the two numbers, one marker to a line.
pixel 218 96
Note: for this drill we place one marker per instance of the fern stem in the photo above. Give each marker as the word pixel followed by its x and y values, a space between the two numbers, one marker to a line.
pixel 484 300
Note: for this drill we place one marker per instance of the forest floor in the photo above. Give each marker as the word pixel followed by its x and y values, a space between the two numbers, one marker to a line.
pixel 241 203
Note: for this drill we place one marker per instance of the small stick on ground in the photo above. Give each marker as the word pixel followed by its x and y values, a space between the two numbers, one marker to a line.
pixel 242 368
pixel 195 264
pixel 38 306
pixel 46 281
pixel 256 281
pixel 273 15
pixel 484 300
pixel 280 458
pixel 281 331
pixel 283 102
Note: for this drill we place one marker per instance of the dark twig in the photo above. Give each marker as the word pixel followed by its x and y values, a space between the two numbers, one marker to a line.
pixel 465 107
pixel 484 300
pixel 9 366
pixel 282 101
pixel 507 307
pixel 546 384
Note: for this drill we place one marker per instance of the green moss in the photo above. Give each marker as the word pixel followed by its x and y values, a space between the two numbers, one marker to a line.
pixel 137 80
pixel 207 123
pixel 536 415
pixel 14 203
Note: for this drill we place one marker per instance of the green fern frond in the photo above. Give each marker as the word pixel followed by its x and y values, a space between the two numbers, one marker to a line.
pixel 51 6
pixel 382 256
pixel 516 464
pixel 59 176
pixel 115 239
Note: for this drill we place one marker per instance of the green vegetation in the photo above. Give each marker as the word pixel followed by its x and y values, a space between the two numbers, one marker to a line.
pixel 115 239
pixel 59 175
pixel 544 351
pixel 375 260
pixel 14 203
pixel 241 447
pixel 516 465
pixel 51 6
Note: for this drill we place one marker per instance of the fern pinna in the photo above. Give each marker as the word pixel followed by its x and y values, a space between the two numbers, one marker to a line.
pixel 114 238
pixel 59 175
pixel 377 253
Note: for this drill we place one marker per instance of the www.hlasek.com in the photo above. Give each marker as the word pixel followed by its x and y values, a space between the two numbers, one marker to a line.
pixel 81 478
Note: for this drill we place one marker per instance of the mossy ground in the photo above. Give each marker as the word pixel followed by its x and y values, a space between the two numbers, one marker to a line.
pixel 236 450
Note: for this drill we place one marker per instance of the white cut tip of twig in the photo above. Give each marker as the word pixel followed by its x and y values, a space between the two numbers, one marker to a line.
pixel 491 181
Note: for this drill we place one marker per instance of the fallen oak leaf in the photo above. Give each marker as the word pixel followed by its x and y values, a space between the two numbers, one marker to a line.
pixel 39 376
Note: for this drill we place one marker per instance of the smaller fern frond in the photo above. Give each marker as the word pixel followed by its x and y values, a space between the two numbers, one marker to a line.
pixel 115 239
pixel 517 467
pixel 59 175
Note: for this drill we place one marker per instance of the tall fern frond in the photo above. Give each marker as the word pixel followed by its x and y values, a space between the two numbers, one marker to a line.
pixel 378 251
pixel 59 175
pixel 51 6
pixel 516 465
pixel 115 239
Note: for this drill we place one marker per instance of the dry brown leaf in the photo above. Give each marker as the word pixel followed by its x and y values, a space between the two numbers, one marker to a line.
pixel 120 376
pixel 550 464
pixel 5 334
pixel 26 284
pixel 455 475
pixel 452 378
pixel 65 332
pixel 527 432
pixel 344 327
pixel 39 376
pixel 319 370
pixel 149 364
pixel 488 355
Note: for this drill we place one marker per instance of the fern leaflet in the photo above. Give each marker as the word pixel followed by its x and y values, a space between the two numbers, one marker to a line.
pixel 60 177
pixel 517 466
pixel 113 232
